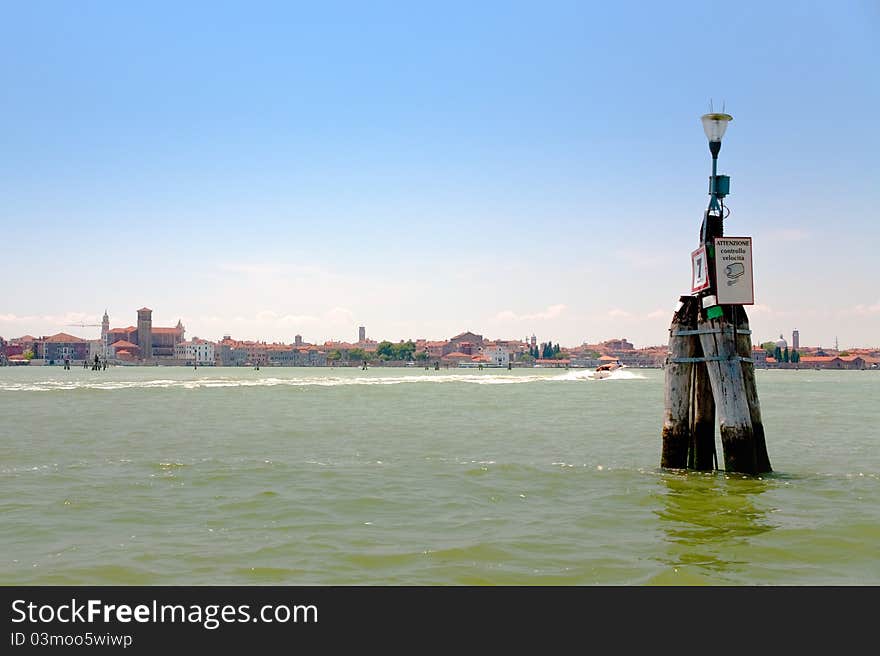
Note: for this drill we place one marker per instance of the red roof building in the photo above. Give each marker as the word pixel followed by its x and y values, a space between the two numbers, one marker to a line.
pixel 61 347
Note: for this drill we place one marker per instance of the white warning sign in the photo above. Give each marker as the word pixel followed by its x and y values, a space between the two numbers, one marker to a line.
pixel 734 281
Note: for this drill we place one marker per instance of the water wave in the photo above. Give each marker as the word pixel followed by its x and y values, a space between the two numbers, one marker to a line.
pixel 330 381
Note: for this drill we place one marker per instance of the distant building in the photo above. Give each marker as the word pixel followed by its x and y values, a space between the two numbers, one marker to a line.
pixel 434 349
pixel 164 340
pixel 152 341
pixel 455 358
pixel 795 339
pixel 281 355
pixel 496 356
pixel 25 342
pixel 60 347
pixel 234 353
pixel 223 351
pixel 311 357
pixel 838 362
pixel 653 356
pixel 125 350
pixel 362 334
pixel 515 348
pixel 759 355
pixel 197 351
pixel 469 340
pixel 617 345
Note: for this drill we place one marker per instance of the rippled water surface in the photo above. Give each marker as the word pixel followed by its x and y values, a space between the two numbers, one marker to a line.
pixel 400 476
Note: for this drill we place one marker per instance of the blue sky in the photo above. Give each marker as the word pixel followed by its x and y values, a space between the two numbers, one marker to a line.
pixel 267 169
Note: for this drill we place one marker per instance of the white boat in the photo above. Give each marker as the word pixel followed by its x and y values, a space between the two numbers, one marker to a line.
pixel 605 370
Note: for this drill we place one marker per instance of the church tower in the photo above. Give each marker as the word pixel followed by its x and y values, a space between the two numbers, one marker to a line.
pixel 105 330
pixel 145 332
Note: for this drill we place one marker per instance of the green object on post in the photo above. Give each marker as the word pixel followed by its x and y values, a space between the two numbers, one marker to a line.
pixel 714 312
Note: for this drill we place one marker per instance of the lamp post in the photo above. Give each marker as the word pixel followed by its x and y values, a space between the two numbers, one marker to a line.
pixel 715 125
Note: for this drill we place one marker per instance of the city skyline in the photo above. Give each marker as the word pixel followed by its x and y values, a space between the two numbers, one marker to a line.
pixel 85 325
pixel 273 171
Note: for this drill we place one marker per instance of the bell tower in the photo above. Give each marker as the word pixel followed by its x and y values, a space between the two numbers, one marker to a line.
pixel 145 332
pixel 105 330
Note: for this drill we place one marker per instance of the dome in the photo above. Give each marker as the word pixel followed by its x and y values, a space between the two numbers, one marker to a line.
pixel 781 343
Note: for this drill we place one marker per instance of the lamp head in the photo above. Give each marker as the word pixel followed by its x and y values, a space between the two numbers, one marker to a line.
pixel 714 125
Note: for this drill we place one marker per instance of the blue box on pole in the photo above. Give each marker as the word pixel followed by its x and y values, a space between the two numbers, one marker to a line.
pixel 722 185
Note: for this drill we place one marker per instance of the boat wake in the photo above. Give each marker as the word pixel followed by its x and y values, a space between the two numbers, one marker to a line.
pixel 329 381
pixel 589 374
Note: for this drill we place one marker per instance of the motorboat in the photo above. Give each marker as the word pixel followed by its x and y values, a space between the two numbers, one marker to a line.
pixel 605 370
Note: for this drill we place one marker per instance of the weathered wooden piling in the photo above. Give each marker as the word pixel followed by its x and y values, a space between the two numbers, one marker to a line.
pixel 679 381
pixel 728 389
pixel 744 350
pixel 689 418
pixel 701 454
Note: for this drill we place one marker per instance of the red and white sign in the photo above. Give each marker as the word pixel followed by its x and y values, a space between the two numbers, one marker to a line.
pixel 699 270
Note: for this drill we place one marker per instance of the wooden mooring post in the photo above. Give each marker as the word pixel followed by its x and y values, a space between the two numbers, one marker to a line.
pixel 709 369
pixel 679 384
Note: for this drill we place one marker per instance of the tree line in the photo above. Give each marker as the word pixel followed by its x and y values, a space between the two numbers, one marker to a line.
pixel 781 354
pixel 547 351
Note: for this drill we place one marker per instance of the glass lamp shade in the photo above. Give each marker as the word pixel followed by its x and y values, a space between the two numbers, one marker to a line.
pixel 714 125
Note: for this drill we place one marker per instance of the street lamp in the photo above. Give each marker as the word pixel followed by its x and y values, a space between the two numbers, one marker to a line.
pixel 715 125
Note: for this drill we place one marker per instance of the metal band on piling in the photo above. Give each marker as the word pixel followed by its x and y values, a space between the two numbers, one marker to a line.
pixel 710 358
pixel 707 331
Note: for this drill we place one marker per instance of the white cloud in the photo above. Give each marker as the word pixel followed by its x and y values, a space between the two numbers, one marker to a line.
pixel 551 312
pixel 620 314
pixel 272 317
pixel 863 309
pixel 339 315
pixel 617 313
pixel 293 319
pixel 51 319
pixel 274 324
pixel 81 324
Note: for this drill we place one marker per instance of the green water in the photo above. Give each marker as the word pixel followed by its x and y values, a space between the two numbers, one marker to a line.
pixel 390 476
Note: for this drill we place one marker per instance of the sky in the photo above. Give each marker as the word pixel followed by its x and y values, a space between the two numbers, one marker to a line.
pixel 513 168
